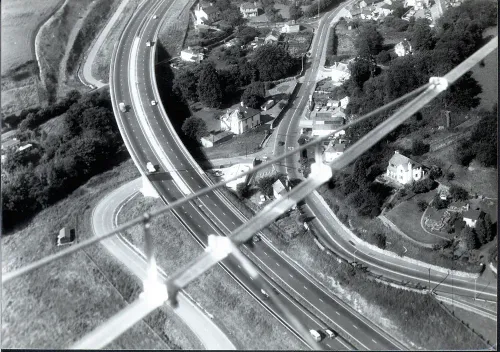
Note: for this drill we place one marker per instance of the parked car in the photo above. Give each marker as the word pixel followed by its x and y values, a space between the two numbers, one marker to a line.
pixel 154 102
pixel 149 43
pixel 331 334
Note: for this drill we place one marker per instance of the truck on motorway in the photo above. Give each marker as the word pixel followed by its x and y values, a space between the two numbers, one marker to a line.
pixel 123 107
pixel 315 334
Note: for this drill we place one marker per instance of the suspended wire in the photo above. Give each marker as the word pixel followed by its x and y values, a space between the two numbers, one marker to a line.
pixel 147 303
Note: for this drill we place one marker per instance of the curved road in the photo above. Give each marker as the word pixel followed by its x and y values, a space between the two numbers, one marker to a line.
pixel 149 136
pixel 332 232
pixel 104 220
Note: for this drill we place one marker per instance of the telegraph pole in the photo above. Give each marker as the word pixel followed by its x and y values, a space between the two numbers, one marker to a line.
pixel 430 280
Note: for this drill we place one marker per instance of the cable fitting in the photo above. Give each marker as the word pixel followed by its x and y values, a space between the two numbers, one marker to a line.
pixel 439 83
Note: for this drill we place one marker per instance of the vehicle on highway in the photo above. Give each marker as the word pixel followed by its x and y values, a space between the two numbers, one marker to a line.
pixel 155 17
pixel 331 334
pixel 154 102
pixel 218 173
pixel 264 293
pixel 315 334
pixel 148 43
pixel 152 168
pixel 256 238
pixel 123 107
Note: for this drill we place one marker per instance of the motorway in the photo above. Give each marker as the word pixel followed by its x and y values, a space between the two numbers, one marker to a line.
pixel 149 136
pixel 329 229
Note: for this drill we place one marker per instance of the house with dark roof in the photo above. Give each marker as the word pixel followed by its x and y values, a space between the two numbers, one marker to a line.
pixel 404 170
pixel 273 37
pixel 240 120
pixel 471 217
pixel 325 121
pixel 215 138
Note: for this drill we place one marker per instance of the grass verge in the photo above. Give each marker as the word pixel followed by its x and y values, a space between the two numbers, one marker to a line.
pixel 235 312
pixel 239 145
pixel 77 293
pixel 405 315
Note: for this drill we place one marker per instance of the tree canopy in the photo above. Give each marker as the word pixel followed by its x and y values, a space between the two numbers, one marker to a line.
pixel 209 87
pixel 195 128
pixel 273 62
pixel 369 41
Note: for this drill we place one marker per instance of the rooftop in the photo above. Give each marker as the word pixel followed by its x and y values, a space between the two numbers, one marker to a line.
pixel 472 214
pixel 399 159
pixel 249 6
pixel 279 187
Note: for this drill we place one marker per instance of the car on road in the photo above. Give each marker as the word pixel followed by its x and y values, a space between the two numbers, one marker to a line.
pixel 149 43
pixel 218 173
pixel 315 334
pixel 331 334
pixel 123 107
pixel 154 102
pixel 155 17
pixel 256 238
pixel 264 293
pixel 152 168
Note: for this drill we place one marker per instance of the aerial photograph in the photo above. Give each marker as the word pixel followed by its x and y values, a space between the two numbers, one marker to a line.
pixel 249 175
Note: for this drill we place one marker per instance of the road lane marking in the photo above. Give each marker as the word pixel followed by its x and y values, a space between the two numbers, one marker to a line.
pixel 305 287
pixel 291 275
pixel 354 326
pixel 374 341
pixel 321 300
pixel 337 313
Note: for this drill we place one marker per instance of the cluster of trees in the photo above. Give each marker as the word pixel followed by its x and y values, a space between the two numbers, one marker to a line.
pixel 482 145
pixel 319 5
pixel 194 128
pixel 272 14
pixel 457 194
pixel 229 13
pixel 214 88
pixel 481 234
pixel 34 117
pixel 59 163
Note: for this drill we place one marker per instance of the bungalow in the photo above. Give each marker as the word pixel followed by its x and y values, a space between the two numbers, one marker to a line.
pixel 268 105
pixel 366 3
pixel 249 9
pixel 290 27
pixel 472 216
pixel 279 189
pixel 215 138
pixel 65 236
pixel 366 14
pixel 333 151
pixel 206 14
pixel 192 55
pixel 240 120
pixel 272 37
pixel 331 103
pixel 404 170
pixel 340 72
pixel 403 48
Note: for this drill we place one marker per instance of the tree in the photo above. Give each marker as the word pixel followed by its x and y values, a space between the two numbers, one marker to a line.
pixel 265 185
pixel 439 203
pixel 185 84
pixel 379 239
pixel 295 12
pixel 422 205
pixel 361 70
pixel 450 176
pixel 243 190
pixel 247 34
pixel 253 96
pixel 418 147
pixel 209 87
pixel 422 37
pixel 383 57
pixel 435 172
pixel 468 236
pixel 369 41
pixel 484 229
pixel 458 193
pixel 273 62
pixel 195 128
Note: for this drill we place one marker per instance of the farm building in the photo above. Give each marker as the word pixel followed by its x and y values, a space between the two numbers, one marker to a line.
pixel 215 138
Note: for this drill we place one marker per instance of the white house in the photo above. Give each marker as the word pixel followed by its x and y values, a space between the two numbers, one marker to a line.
pixel 340 72
pixel 290 27
pixel 240 119
pixel 403 48
pixel 333 151
pixel 366 3
pixel 192 55
pixel 249 9
pixel 206 14
pixel 24 147
pixel 472 216
pixel 366 13
pixel 417 4
pixel 279 189
pixel 331 103
pixel 384 10
pixel 65 236
pixel 404 170
pixel 344 102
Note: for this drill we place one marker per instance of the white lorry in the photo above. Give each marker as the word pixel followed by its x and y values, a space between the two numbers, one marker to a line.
pixel 315 334
pixel 151 168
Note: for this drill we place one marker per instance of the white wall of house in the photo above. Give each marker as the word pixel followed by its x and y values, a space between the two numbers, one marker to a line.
pixel 470 222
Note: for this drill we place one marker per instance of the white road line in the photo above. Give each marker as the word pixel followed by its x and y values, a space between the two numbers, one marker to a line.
pixel 337 313
pixel 355 327
pixel 291 275
pixel 278 264
pixel 374 341
pixel 305 287
pixel 321 300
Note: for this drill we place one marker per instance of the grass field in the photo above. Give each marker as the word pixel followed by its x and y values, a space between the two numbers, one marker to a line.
pixel 20 21
pixel 100 67
pixel 54 126
pixel 174 28
pixel 248 324
pixel 26 96
pixel 239 145
pixel 487 76
pixel 55 305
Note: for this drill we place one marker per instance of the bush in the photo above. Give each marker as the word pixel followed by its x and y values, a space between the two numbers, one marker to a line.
pixel 458 193
pixel 439 203
pixel 422 205
pixel 418 147
pixel 423 186
pixel 450 176
pixel 243 190
pixel 383 57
